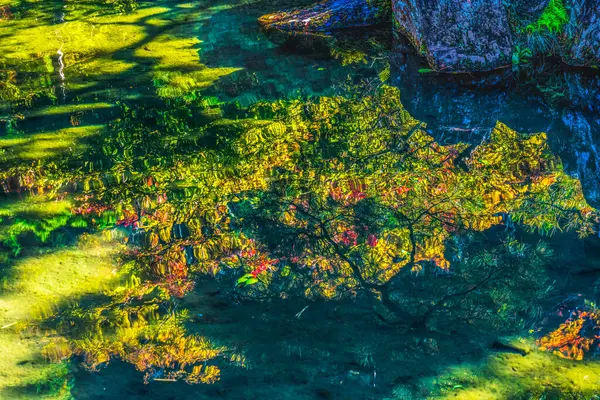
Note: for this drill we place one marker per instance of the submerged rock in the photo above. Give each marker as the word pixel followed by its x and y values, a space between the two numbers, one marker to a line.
pixel 327 15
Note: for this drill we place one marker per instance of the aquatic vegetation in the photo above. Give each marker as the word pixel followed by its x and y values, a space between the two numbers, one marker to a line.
pixel 402 392
pixel 536 375
pixel 41 219
pixel 124 6
pixel 364 357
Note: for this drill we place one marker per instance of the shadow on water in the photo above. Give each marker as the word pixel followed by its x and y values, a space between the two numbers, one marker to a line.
pixel 298 349
pixel 332 350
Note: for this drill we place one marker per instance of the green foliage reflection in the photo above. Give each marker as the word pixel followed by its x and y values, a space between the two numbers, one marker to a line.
pixel 329 198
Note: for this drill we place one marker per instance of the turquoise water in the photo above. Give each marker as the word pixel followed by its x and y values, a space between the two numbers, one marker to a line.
pixel 170 171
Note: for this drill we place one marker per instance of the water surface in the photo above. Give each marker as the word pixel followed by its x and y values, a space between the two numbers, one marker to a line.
pixel 136 169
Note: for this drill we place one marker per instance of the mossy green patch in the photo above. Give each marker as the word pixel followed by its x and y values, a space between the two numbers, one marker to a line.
pixel 510 375
pixel 553 18
pixel 39 216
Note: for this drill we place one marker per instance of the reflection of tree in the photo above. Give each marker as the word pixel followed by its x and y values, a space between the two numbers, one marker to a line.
pixel 141 327
pixel 372 195
pixel 331 198
pixel 576 336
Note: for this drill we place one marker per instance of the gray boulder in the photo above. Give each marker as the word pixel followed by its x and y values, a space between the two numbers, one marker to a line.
pixel 457 35
pixel 583 33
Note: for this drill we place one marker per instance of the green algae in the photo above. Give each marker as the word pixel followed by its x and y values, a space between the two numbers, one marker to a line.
pixel 36 206
pixel 38 216
pixel 69 109
pixel 510 375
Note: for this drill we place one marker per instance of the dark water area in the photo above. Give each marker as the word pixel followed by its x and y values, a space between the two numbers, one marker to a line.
pixel 195 208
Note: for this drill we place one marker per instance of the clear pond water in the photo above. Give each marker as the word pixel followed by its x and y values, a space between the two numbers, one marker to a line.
pixel 195 208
